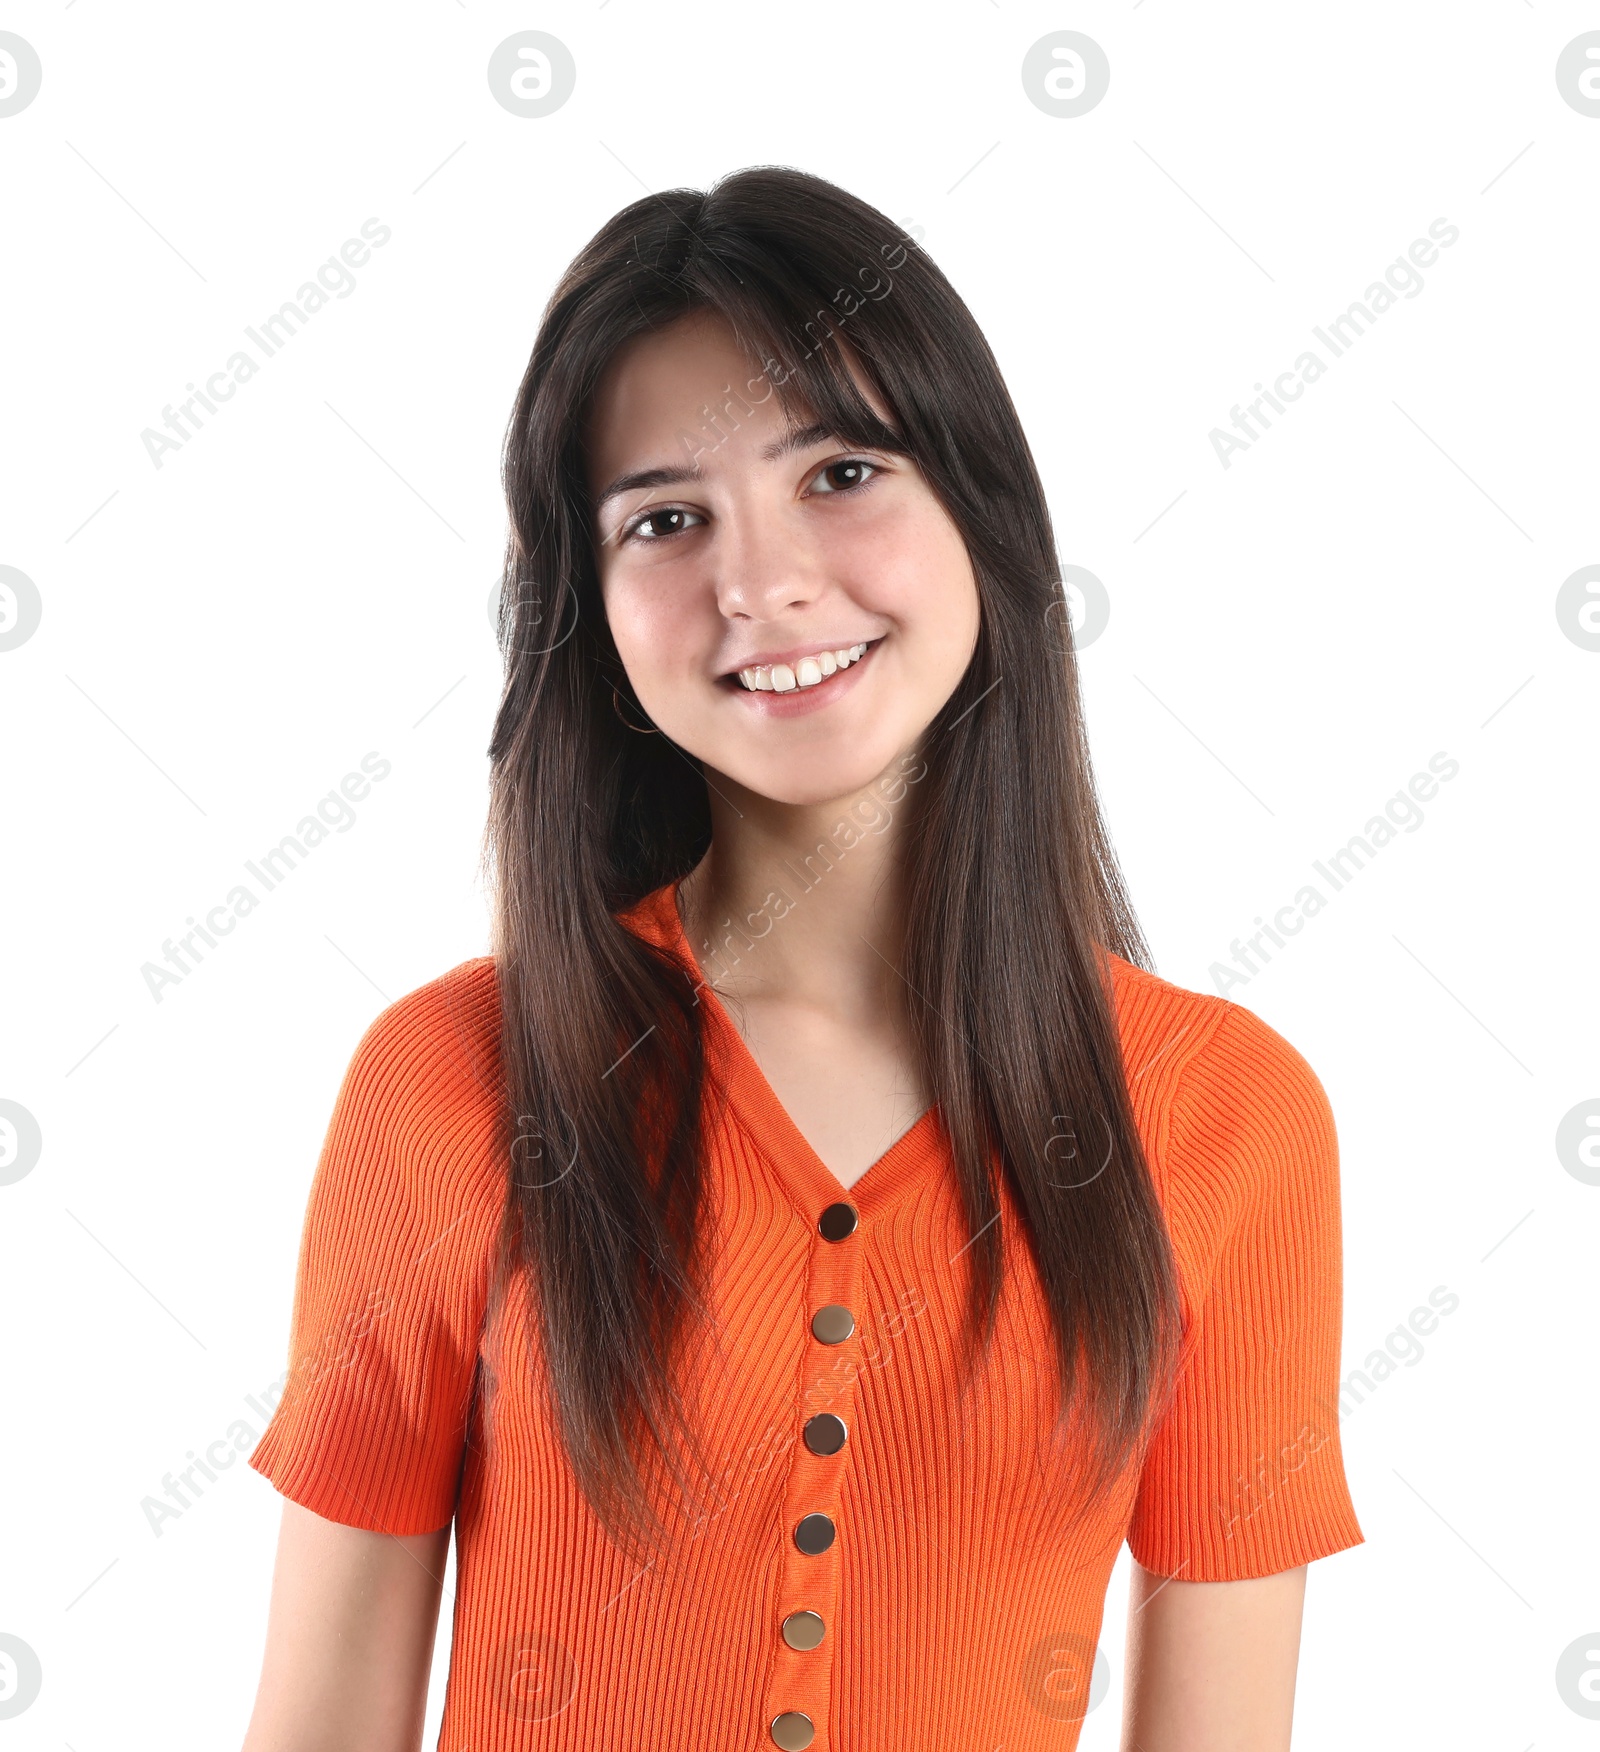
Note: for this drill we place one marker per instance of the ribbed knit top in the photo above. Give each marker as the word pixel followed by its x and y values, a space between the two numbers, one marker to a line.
pixel 962 1591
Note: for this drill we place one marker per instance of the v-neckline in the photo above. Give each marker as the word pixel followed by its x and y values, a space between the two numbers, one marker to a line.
pixel 809 1179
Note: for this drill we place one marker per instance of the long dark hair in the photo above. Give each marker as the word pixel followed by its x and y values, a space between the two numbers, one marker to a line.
pixel 1010 887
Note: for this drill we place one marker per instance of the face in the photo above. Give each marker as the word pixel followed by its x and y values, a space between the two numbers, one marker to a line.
pixel 790 610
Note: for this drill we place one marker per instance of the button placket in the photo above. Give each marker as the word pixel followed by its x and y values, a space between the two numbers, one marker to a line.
pixel 804 1630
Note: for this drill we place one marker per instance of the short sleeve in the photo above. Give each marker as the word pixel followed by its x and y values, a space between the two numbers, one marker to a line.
pixel 1245 1475
pixel 390 1287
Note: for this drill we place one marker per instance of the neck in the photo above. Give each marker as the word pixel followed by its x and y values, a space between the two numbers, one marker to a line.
pixel 801 899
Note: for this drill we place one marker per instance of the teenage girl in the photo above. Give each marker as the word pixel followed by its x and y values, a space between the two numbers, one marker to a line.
pixel 814 1241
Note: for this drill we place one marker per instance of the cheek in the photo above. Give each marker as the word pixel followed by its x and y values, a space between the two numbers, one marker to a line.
pixel 916 570
pixel 658 635
pixel 638 614
pixel 628 617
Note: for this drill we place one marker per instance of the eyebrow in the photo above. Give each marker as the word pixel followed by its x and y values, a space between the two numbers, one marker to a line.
pixel 643 479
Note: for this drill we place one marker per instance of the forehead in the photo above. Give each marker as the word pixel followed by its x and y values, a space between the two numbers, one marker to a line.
pixel 688 392
pixel 665 382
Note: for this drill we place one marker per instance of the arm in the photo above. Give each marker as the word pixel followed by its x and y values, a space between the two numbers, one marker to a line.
pixel 1243 1484
pixel 349 1638
pixel 368 1439
pixel 1211 1665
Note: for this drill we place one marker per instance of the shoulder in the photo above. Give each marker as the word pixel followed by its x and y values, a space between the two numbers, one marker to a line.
pixel 1156 1017
pixel 395 1268
pixel 420 1099
pixel 445 1030
pixel 1232 1104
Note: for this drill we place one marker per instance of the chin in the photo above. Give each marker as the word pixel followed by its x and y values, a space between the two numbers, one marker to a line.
pixel 811 777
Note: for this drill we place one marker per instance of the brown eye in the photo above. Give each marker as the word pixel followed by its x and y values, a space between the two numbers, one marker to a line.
pixel 666 520
pixel 850 474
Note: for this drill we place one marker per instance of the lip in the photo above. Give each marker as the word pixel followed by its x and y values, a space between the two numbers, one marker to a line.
pixel 801 700
pixel 793 654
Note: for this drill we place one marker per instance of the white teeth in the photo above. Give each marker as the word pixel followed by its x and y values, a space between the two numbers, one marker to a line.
pixel 805 672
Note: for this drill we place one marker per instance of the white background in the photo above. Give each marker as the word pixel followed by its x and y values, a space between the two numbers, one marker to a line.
pixel 1290 639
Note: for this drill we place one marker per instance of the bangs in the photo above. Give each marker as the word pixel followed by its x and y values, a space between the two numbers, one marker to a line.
pixel 799 322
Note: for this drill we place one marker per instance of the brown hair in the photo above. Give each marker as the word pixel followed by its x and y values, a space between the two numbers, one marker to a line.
pixel 1009 883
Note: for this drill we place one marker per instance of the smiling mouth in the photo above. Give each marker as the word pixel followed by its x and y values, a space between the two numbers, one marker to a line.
pixel 805 672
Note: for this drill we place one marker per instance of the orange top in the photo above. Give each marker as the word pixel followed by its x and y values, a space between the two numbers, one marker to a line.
pixel 959 1608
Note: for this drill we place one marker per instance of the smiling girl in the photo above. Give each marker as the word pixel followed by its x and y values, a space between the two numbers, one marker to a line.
pixel 814 1241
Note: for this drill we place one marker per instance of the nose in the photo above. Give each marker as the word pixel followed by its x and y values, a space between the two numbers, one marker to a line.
pixel 762 566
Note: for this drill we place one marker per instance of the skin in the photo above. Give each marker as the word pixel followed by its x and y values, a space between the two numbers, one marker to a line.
pixel 769 550
pixel 349 1638
pixel 769 555
pixel 1210 1666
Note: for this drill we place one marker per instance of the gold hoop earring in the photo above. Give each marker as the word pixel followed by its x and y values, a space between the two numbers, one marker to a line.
pixel 616 706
